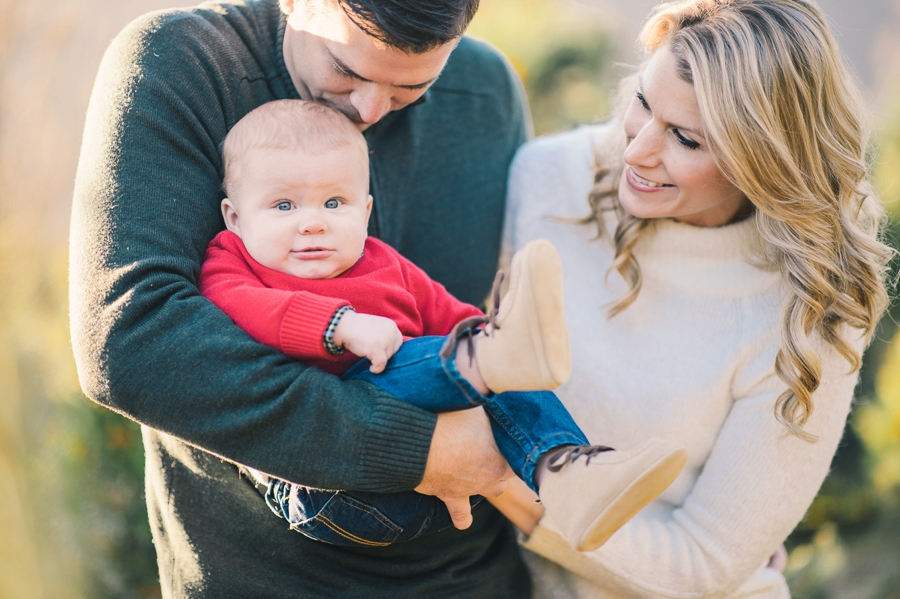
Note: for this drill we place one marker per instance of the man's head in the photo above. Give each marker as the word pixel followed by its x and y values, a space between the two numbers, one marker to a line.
pixel 366 58
pixel 297 180
pixel 411 26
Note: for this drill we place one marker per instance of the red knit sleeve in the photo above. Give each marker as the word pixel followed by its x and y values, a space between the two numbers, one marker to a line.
pixel 440 311
pixel 291 321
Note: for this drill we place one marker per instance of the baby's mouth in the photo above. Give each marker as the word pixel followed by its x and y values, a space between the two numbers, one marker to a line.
pixel 312 252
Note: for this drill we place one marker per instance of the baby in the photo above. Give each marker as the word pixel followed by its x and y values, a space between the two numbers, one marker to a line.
pixel 296 270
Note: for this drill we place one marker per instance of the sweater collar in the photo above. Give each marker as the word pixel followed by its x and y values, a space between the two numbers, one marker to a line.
pixel 725 261
pixel 279 54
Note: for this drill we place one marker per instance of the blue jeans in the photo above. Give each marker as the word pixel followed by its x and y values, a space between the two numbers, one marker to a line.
pixel 525 425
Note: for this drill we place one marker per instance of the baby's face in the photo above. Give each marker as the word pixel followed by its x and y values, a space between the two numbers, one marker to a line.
pixel 301 214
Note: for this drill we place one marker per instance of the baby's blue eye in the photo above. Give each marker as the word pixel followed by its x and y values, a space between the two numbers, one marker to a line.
pixel 332 203
pixel 284 206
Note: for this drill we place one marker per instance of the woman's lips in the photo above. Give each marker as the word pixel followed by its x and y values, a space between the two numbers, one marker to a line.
pixel 645 185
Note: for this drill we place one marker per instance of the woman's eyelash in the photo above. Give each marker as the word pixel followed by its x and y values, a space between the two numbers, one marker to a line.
pixel 641 99
pixel 688 143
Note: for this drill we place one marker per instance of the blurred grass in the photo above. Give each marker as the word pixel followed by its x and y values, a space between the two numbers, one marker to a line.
pixel 72 513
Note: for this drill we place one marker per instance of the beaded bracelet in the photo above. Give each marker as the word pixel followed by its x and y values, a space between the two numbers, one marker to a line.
pixel 328 337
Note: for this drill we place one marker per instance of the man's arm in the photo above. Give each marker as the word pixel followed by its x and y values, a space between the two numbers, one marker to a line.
pixel 146 344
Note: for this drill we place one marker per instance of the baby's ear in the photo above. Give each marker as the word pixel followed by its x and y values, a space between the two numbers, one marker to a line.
pixel 230 214
pixel 368 209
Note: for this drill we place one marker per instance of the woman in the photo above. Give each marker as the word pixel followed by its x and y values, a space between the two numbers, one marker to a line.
pixel 737 277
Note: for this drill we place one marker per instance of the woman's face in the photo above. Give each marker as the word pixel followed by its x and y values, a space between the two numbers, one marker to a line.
pixel 669 171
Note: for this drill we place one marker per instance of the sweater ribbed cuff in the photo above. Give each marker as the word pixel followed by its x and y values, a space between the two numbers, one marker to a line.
pixel 305 322
pixel 396 447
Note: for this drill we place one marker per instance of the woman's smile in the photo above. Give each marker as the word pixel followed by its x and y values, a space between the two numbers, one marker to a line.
pixel 665 137
pixel 642 184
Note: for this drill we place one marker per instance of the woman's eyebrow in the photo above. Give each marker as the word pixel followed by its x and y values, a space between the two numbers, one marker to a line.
pixel 690 130
pixel 347 71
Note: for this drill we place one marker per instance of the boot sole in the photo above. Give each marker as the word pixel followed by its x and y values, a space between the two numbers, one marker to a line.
pixel 545 280
pixel 633 499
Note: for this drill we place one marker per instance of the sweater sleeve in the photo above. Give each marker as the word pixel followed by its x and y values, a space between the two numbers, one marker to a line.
pixel 146 344
pixel 756 482
pixel 293 322
pixel 755 487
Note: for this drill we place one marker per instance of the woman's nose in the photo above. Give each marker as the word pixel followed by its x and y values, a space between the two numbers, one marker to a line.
pixel 643 141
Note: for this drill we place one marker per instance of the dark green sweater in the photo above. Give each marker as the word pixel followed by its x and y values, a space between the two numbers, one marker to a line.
pixel 147 345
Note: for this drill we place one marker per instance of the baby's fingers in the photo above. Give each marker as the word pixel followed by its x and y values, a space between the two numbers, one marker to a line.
pixel 379 361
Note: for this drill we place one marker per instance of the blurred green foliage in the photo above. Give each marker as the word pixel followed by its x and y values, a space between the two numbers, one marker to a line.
pixel 79 467
pixel 72 508
pixel 562 53
pixel 847 544
pixel 103 463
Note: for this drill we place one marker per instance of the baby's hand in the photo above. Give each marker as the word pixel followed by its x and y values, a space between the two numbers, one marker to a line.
pixel 373 337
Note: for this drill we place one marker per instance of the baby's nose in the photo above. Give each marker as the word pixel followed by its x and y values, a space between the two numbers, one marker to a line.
pixel 312 225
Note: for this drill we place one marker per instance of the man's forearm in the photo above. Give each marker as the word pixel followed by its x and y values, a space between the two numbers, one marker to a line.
pixel 169 359
pixel 147 345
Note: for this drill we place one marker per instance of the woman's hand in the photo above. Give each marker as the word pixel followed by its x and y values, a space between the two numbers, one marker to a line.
pixel 778 561
pixel 517 503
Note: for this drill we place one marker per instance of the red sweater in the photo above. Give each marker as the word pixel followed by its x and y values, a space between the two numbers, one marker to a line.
pixel 291 314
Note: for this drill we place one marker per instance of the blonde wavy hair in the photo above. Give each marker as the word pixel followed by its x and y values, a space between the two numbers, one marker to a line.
pixel 784 122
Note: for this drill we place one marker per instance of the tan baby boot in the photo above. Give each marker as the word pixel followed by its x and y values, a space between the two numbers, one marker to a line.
pixel 525 345
pixel 589 499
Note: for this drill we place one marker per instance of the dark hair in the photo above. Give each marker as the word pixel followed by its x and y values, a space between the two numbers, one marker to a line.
pixel 413 26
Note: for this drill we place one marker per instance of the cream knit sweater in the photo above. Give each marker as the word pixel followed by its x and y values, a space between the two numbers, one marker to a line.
pixel 692 359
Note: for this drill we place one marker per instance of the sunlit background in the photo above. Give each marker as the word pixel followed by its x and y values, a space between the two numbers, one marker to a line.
pixel 72 518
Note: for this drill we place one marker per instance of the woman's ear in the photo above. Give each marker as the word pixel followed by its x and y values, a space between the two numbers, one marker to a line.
pixel 230 215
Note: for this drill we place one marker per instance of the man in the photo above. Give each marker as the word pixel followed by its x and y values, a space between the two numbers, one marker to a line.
pixel 443 116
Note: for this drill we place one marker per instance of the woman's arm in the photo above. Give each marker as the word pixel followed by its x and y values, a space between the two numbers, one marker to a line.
pixel 755 487
pixel 757 481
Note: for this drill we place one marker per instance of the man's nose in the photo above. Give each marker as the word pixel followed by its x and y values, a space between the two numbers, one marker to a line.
pixel 372 101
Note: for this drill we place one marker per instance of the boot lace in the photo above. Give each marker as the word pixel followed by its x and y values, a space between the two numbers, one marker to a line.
pixel 558 458
pixel 468 328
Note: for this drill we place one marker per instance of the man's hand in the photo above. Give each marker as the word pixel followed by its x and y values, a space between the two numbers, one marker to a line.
pixel 367 336
pixel 518 504
pixel 463 461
